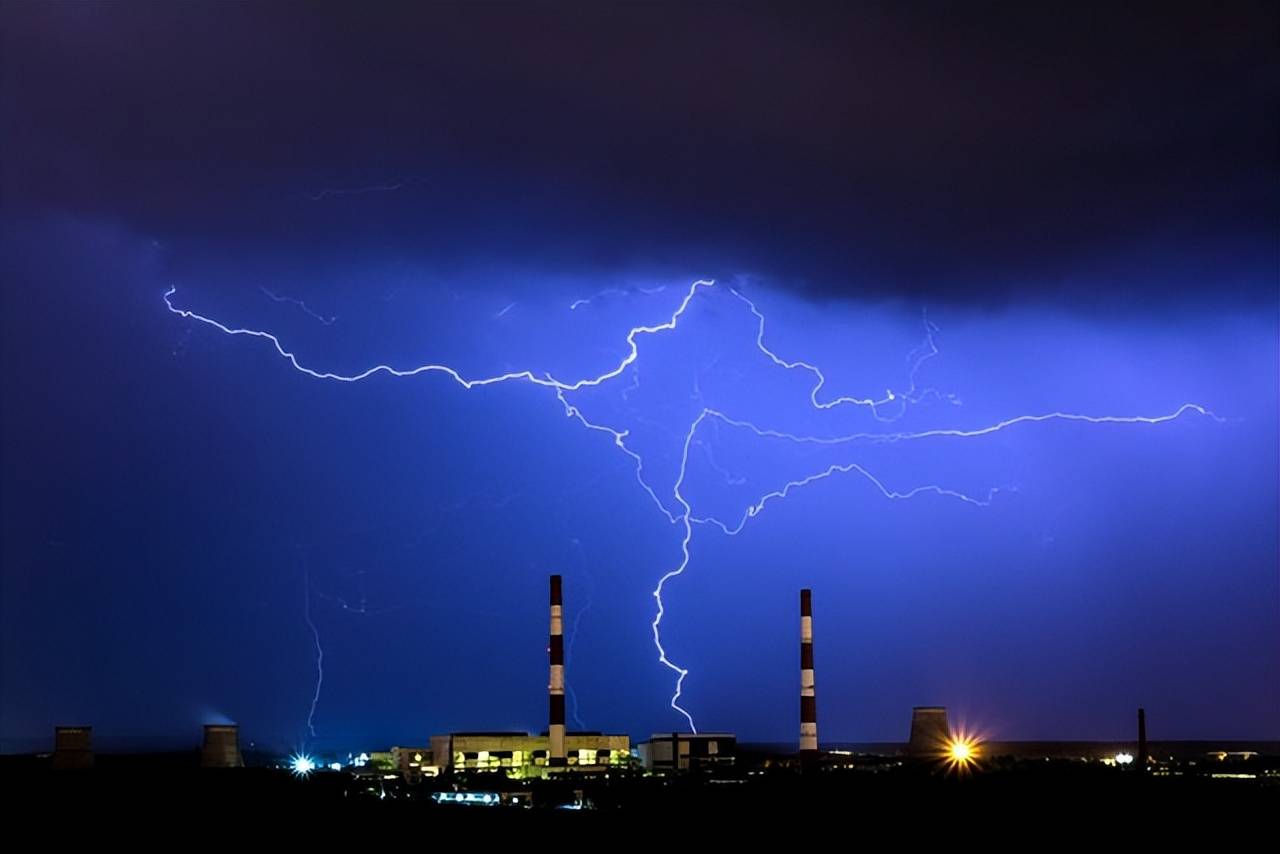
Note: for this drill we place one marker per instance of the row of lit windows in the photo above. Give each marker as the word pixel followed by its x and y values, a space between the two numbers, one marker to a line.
pixel 518 758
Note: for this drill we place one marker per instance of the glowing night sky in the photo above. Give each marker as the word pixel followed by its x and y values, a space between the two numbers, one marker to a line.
pixel 926 228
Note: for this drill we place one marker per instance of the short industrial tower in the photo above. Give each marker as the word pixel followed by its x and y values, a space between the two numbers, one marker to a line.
pixel 72 747
pixel 1142 741
pixel 930 732
pixel 221 747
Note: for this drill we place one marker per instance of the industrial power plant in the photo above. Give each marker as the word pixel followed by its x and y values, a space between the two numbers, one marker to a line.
pixel 559 752
pixel 521 755
pixel 524 755
pixel 588 770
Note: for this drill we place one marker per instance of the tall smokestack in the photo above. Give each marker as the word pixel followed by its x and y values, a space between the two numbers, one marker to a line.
pixel 556 755
pixel 1142 740
pixel 808 699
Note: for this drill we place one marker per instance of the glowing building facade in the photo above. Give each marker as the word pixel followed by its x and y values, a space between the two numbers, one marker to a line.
pixel 521 754
pixel 414 763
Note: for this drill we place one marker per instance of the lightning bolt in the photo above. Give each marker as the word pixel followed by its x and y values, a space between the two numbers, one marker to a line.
pixel 545 380
pixel 327 321
pixel 572 639
pixel 315 634
pixel 887 408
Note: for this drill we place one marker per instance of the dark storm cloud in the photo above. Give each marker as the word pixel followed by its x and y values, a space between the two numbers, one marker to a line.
pixel 972 151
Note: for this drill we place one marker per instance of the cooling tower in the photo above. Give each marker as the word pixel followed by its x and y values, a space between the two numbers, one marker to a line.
pixel 930 732
pixel 221 747
pixel 72 747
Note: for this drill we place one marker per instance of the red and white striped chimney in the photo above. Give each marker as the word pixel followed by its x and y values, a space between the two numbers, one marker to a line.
pixel 808 700
pixel 555 730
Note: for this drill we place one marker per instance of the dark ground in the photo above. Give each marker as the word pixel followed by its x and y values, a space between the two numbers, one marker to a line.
pixel 167 796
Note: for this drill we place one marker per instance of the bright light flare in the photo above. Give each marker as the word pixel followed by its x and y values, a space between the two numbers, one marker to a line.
pixel 961 753
pixel 301 765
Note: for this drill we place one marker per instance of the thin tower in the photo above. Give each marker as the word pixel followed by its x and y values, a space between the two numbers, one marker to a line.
pixel 808 700
pixel 556 755
pixel 1142 740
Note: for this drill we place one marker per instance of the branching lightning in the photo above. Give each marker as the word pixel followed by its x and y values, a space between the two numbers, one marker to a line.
pixel 680 513
pixel 545 380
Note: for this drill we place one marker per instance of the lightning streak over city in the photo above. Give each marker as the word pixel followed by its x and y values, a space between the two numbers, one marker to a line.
pixel 681 513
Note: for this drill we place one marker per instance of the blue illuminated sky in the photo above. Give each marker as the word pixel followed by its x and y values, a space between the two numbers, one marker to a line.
pixel 500 192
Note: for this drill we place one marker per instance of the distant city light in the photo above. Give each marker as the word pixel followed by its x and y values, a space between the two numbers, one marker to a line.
pixel 486 799
pixel 335 766
pixel 301 764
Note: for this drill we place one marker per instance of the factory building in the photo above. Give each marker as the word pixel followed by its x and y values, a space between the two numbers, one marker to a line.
pixel 413 763
pixel 72 747
pixel 687 751
pixel 522 754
